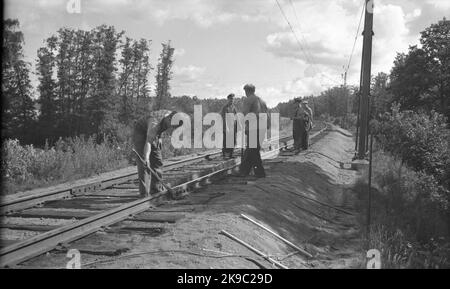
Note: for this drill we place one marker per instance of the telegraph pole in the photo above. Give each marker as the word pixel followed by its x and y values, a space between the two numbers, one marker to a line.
pixel 365 80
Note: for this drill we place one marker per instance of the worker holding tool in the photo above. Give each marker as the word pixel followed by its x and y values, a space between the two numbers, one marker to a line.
pixel 148 144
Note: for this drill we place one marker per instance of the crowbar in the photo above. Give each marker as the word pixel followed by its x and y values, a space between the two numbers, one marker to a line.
pixel 169 189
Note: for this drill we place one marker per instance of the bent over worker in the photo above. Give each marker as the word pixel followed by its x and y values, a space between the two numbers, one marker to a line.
pixel 148 144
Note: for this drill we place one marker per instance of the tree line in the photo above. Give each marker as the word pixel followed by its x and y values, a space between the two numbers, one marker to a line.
pixel 89 83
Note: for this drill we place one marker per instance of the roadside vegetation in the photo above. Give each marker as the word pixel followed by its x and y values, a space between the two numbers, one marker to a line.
pixel 410 191
pixel 410 222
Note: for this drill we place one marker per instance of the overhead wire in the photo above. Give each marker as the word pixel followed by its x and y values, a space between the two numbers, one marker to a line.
pixel 308 57
pixel 356 37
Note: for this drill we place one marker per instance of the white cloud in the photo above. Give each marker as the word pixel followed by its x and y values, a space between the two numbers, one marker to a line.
pixel 303 86
pixel 325 32
pixel 188 73
pixel 391 36
pixel 444 4
pixel 179 52
pixel 330 31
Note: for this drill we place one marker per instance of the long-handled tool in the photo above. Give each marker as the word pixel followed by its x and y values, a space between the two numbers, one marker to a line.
pixel 148 168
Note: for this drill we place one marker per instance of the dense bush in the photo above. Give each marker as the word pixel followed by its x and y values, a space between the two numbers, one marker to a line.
pixel 420 140
pixel 411 224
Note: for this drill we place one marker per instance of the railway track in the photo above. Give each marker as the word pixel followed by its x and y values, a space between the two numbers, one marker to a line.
pixel 50 218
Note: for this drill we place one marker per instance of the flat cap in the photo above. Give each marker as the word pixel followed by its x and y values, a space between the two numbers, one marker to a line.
pixel 249 86
pixel 231 95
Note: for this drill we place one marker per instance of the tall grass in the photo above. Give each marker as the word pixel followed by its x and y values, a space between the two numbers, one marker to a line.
pixel 27 167
pixel 409 225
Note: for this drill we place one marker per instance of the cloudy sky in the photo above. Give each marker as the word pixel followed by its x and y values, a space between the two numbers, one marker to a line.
pixel 223 44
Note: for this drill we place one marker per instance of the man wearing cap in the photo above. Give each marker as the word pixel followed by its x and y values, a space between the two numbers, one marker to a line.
pixel 302 124
pixel 228 126
pixel 148 143
pixel 252 156
pixel 308 119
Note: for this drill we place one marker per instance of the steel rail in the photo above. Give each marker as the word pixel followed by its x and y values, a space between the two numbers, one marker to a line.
pixel 22 203
pixel 24 250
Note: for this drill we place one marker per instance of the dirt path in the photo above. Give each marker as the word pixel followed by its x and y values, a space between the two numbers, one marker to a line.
pixel 278 202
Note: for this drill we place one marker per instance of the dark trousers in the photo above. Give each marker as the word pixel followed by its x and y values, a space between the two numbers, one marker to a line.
pixel 300 134
pixel 252 160
pixel 148 184
pixel 225 149
pixel 305 140
pixel 296 133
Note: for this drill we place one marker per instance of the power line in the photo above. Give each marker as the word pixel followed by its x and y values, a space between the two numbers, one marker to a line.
pixel 314 61
pixel 300 45
pixel 356 38
pixel 300 30
pixel 292 29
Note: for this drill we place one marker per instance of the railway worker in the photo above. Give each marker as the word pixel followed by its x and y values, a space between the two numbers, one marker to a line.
pixel 302 124
pixel 252 156
pixel 229 127
pixel 296 123
pixel 148 143
pixel 308 118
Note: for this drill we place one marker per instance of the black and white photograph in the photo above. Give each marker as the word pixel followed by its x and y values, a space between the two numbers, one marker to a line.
pixel 225 136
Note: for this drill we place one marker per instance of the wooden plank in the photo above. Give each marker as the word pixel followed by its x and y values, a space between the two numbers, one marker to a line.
pixel 89 203
pixel 6 243
pixel 223 232
pixel 54 214
pixel 149 231
pixel 278 236
pixel 39 228
pixel 157 217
